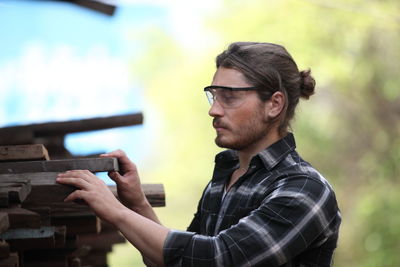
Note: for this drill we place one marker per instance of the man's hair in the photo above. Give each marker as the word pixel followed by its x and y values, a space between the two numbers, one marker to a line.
pixel 270 68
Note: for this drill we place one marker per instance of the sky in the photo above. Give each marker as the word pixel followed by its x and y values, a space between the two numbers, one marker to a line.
pixel 59 61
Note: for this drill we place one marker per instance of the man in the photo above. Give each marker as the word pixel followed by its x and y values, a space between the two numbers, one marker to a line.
pixel 265 206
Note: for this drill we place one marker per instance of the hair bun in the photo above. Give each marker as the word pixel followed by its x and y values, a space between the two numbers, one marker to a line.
pixel 307 84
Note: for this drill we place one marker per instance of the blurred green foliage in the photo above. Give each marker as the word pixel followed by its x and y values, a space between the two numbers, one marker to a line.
pixel 349 130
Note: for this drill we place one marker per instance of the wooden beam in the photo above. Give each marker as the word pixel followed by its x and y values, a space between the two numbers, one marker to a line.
pixel 13 191
pixel 74 262
pixel 24 239
pixel 102 241
pixel 42 232
pixel 25 134
pixel 22 218
pixel 43 212
pixel 11 261
pixel 95 258
pixel 98 6
pixel 4 250
pixel 16 136
pixel 4 200
pixel 154 193
pixel 91 164
pixel 4 222
pixel 23 152
pixel 77 224
pixel 45 190
pixel 59 257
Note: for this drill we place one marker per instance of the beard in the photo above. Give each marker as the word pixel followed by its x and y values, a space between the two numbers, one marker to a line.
pixel 245 135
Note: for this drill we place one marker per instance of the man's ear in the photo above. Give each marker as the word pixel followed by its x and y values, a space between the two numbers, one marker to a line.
pixel 275 105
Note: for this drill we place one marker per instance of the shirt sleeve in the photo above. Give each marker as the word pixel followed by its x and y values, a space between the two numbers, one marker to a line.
pixel 287 222
pixel 195 224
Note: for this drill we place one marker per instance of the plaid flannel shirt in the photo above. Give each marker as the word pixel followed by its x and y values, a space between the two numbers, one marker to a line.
pixel 282 212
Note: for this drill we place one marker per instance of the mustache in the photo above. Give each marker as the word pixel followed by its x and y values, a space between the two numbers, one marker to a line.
pixel 217 123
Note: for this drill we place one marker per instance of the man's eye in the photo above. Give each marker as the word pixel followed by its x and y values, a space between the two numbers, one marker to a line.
pixel 228 97
pixel 228 94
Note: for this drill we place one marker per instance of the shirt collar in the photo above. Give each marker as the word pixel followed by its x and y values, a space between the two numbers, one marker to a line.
pixel 270 156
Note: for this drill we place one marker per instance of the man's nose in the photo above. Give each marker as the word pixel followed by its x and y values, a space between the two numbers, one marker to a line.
pixel 216 110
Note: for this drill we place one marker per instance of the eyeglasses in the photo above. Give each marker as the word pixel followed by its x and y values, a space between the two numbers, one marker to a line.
pixel 227 97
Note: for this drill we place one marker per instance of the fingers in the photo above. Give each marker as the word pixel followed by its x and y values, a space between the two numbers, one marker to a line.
pixel 83 174
pixel 116 154
pixel 78 178
pixel 115 176
pixel 124 161
pixel 77 195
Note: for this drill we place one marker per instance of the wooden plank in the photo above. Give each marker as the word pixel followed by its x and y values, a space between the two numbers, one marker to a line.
pixel 54 257
pixel 44 188
pixel 98 6
pixel 25 239
pixel 16 136
pixel 46 258
pixel 62 208
pixel 11 261
pixel 47 193
pixel 95 259
pixel 80 251
pixel 70 242
pixel 60 236
pixel 13 191
pixel 4 249
pixel 4 201
pixel 66 127
pixel 42 232
pixel 4 222
pixel 154 193
pixel 91 164
pixel 74 262
pixel 44 213
pixel 77 224
pixel 23 152
pixel 22 218
pixel 102 241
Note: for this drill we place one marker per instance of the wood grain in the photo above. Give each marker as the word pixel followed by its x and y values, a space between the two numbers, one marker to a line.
pixel 22 218
pixel 91 164
pixel 13 191
pixel 23 152
pixel 25 134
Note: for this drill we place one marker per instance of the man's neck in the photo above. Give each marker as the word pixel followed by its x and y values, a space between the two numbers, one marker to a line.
pixel 245 155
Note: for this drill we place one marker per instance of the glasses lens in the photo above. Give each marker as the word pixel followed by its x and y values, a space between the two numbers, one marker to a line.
pixel 229 98
pixel 210 97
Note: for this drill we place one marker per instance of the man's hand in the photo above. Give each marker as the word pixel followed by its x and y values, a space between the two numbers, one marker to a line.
pixel 129 188
pixel 93 192
pixel 143 231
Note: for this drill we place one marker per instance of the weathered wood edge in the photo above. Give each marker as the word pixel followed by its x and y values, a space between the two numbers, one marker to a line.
pixel 91 164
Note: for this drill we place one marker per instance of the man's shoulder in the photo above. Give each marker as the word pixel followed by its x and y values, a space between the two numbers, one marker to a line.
pixel 293 173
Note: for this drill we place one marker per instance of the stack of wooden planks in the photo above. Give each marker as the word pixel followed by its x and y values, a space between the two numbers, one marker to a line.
pixel 52 134
pixel 36 227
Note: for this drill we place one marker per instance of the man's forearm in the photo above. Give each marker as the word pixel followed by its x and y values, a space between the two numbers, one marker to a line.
pixel 147 235
pixel 146 210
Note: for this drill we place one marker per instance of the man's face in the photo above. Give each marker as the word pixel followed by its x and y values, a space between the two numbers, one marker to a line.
pixel 241 126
